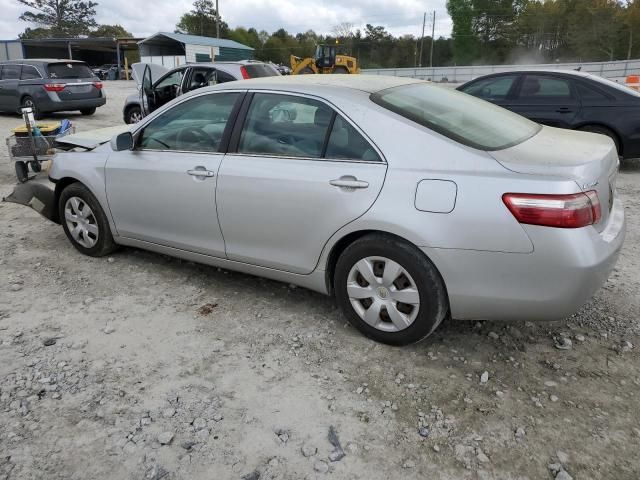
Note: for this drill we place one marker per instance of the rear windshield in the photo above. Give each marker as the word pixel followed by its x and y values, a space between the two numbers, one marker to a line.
pixel 461 117
pixel 69 70
pixel 260 70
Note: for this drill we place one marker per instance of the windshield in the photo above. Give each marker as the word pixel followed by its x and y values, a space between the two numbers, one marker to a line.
pixel 69 70
pixel 461 117
pixel 261 70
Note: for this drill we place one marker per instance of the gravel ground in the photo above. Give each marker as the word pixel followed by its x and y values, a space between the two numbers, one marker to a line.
pixel 143 366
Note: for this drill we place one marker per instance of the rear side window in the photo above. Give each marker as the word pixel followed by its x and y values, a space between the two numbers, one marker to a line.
pixel 11 72
pixel 285 125
pixel 463 118
pixel 29 72
pixel 69 70
pixel 260 70
pixel 539 86
pixel 591 94
pixel 345 142
pixel 496 88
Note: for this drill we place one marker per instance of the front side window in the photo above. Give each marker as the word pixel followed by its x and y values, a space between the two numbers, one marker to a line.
pixel 543 87
pixel 496 88
pixel 285 125
pixel 463 118
pixel 10 72
pixel 196 125
pixel 172 80
pixel 29 72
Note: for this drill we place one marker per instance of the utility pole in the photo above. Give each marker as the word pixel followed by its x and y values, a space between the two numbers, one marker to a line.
pixel 218 20
pixel 424 21
pixel 433 34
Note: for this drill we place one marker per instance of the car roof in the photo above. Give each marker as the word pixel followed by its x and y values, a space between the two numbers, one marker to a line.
pixel 362 82
pixel 27 61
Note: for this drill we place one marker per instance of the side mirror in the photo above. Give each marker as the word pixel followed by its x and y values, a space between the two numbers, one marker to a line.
pixel 122 141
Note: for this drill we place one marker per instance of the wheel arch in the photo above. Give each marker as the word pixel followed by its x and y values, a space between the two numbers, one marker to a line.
pixel 340 245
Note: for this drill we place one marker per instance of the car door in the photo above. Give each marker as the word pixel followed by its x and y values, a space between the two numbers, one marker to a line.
pixel 498 89
pixel 164 190
pixel 548 99
pixel 162 91
pixel 299 172
pixel 9 87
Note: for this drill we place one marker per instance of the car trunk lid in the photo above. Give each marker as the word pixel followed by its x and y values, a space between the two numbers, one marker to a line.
pixel 588 159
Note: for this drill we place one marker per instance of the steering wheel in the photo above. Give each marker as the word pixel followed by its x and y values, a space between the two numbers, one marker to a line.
pixel 188 137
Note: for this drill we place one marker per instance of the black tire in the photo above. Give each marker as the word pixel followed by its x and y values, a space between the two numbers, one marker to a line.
pixel 104 244
pixel 307 71
pixel 22 172
pixel 27 101
pixel 133 115
pixel 603 131
pixel 340 71
pixel 35 166
pixel 88 111
pixel 434 304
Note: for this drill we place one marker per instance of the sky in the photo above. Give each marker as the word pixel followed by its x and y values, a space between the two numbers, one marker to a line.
pixel 144 17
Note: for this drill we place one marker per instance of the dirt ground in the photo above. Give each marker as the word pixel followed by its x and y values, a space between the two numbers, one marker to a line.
pixel 143 366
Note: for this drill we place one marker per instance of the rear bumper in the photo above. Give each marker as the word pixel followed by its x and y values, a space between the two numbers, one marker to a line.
pixel 562 273
pixel 52 105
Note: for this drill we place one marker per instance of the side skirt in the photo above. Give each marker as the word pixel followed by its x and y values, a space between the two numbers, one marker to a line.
pixel 314 281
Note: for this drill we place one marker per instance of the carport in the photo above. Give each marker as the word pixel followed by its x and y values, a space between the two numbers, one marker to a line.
pixel 94 51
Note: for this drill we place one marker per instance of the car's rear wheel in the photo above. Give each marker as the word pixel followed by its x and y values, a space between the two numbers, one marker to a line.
pixel 133 115
pixel 389 290
pixel 28 102
pixel 603 131
pixel 88 111
pixel 84 222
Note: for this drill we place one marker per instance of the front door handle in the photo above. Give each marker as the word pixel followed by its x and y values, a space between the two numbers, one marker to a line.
pixel 564 110
pixel 349 182
pixel 201 172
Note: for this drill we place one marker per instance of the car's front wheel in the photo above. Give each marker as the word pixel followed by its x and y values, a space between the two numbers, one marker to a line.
pixel 133 115
pixel 84 222
pixel 389 290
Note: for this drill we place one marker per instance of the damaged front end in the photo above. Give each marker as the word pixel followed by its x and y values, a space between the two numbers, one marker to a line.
pixel 39 196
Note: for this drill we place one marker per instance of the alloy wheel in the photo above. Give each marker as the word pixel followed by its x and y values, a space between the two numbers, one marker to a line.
pixel 383 294
pixel 81 222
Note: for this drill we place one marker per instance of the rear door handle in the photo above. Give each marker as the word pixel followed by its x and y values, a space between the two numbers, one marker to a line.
pixel 201 173
pixel 349 183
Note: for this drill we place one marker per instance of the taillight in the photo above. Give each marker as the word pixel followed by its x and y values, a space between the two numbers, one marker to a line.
pixel 244 73
pixel 98 85
pixel 54 87
pixel 560 211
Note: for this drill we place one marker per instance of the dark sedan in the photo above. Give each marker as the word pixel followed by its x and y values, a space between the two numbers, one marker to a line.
pixel 567 99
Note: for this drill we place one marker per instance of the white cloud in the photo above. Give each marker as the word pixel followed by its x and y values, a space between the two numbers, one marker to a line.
pixel 143 17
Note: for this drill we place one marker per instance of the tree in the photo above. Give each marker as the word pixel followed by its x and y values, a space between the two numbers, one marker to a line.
pixel 111 31
pixel 61 18
pixel 201 20
pixel 465 43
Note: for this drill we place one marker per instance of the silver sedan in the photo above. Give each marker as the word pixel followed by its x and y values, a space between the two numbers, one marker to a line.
pixel 409 202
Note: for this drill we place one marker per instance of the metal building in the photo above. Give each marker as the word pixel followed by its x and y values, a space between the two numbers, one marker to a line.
pixel 172 49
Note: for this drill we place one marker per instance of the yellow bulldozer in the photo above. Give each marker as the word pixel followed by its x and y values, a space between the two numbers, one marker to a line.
pixel 326 60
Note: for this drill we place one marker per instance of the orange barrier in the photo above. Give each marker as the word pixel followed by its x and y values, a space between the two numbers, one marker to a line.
pixel 633 81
